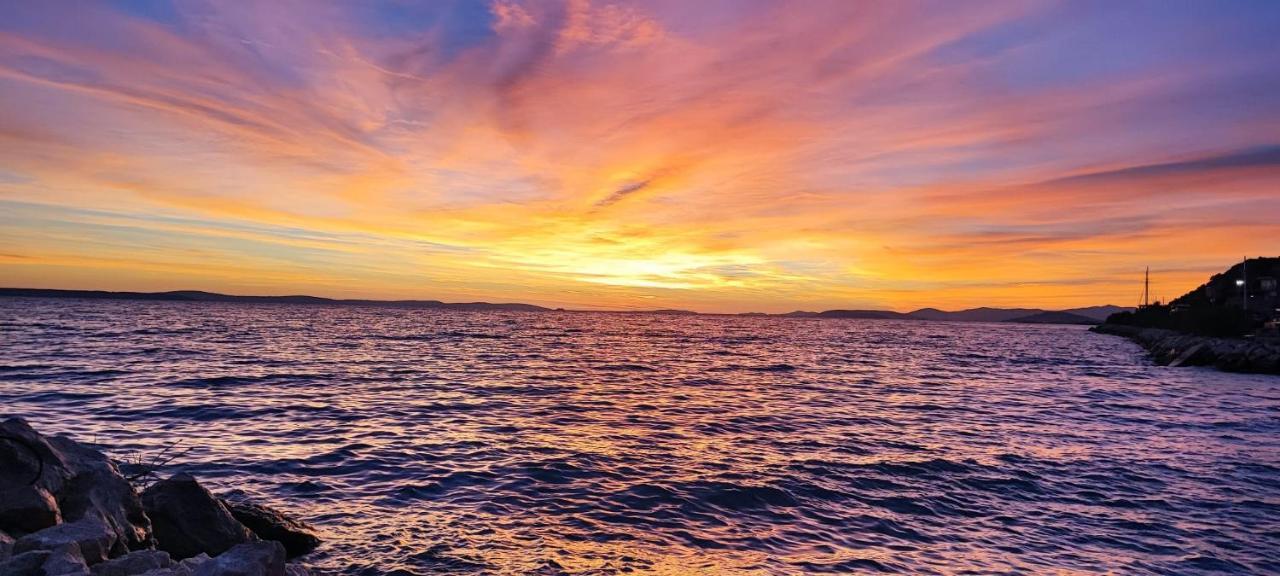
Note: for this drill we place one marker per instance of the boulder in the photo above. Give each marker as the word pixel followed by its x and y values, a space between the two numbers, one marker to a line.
pixel 65 510
pixel 1177 349
pixel 26 509
pixel 91 537
pixel 270 524
pixel 188 567
pixel 48 480
pixel 260 558
pixel 133 563
pixel 98 490
pixel 187 520
pixel 26 504
pixel 184 568
pixel 65 560
pixel 28 564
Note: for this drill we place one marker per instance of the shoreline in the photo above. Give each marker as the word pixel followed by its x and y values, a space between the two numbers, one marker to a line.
pixel 1170 348
pixel 1081 316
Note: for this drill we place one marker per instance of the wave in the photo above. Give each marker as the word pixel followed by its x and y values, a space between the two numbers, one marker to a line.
pixel 606 444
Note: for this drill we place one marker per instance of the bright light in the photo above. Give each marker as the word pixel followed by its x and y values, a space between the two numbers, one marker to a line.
pixel 1239 282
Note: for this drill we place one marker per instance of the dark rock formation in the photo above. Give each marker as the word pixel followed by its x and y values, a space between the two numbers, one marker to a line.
pixel 66 510
pixel 90 536
pixel 262 558
pixel 269 524
pixel 25 507
pixel 188 520
pixel 133 563
pixel 6 546
pixel 28 564
pixel 65 560
pixel 1169 348
pixel 48 480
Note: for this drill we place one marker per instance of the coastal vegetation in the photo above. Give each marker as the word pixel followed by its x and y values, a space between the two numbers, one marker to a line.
pixel 1229 322
pixel 1239 302
pixel 1202 321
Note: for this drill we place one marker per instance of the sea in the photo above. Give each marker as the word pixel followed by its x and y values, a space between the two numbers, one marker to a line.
pixel 425 441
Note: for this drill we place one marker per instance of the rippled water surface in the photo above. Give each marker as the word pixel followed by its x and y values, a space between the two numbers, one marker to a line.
pixel 427 442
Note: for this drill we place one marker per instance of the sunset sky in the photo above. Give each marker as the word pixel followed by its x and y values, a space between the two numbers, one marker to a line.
pixel 716 155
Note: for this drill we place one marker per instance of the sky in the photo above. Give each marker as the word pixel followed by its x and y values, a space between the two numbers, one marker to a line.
pixel 719 155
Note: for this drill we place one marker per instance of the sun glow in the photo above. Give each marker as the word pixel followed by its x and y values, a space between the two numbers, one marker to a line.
pixel 599 154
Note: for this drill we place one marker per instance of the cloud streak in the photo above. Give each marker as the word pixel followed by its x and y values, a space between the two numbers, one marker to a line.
pixel 718 156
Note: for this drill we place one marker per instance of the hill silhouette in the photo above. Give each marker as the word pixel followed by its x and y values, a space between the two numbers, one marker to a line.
pixel 1219 306
pixel 1054 318
pixel 984 314
pixel 200 296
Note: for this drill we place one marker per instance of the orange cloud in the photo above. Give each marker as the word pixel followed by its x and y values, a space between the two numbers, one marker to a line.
pixel 623 154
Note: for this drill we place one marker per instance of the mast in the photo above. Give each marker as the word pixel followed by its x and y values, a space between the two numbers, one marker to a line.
pixel 1146 287
pixel 1244 274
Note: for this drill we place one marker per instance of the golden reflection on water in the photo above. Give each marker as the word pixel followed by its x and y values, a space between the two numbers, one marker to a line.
pixel 422 442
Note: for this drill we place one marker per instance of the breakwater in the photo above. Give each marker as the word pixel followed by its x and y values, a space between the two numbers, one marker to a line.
pixel 1170 348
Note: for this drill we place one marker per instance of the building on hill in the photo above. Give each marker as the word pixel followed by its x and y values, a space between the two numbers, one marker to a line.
pixel 1239 302
pixel 1266 290
pixel 1250 285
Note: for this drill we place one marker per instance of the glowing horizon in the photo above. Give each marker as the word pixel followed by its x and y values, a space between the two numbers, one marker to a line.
pixel 716 156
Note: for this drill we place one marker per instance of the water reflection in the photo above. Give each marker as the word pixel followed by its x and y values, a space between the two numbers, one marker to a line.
pixel 425 442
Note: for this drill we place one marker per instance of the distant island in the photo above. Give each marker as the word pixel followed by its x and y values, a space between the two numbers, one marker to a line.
pixel 199 296
pixel 1089 315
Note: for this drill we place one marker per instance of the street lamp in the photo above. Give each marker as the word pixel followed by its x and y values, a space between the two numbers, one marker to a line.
pixel 1244 301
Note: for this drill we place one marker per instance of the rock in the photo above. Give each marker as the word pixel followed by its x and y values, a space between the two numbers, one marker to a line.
pixel 26 509
pixel 91 537
pixel 270 524
pixel 28 564
pixel 261 558
pixel 133 563
pixel 98 489
pixel 66 510
pixel 1177 349
pixel 1186 355
pixel 184 568
pixel 48 480
pixel 65 561
pixel 188 567
pixel 26 505
pixel 188 520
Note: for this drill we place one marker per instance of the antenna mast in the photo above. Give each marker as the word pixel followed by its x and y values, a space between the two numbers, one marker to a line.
pixel 1244 274
pixel 1146 288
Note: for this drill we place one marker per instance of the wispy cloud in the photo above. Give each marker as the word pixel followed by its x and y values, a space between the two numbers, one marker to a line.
pixel 713 155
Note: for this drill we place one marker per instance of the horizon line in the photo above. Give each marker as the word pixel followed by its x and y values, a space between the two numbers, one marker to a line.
pixel 12 291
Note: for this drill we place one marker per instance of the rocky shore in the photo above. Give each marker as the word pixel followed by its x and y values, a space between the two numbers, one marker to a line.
pixel 1170 348
pixel 66 509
